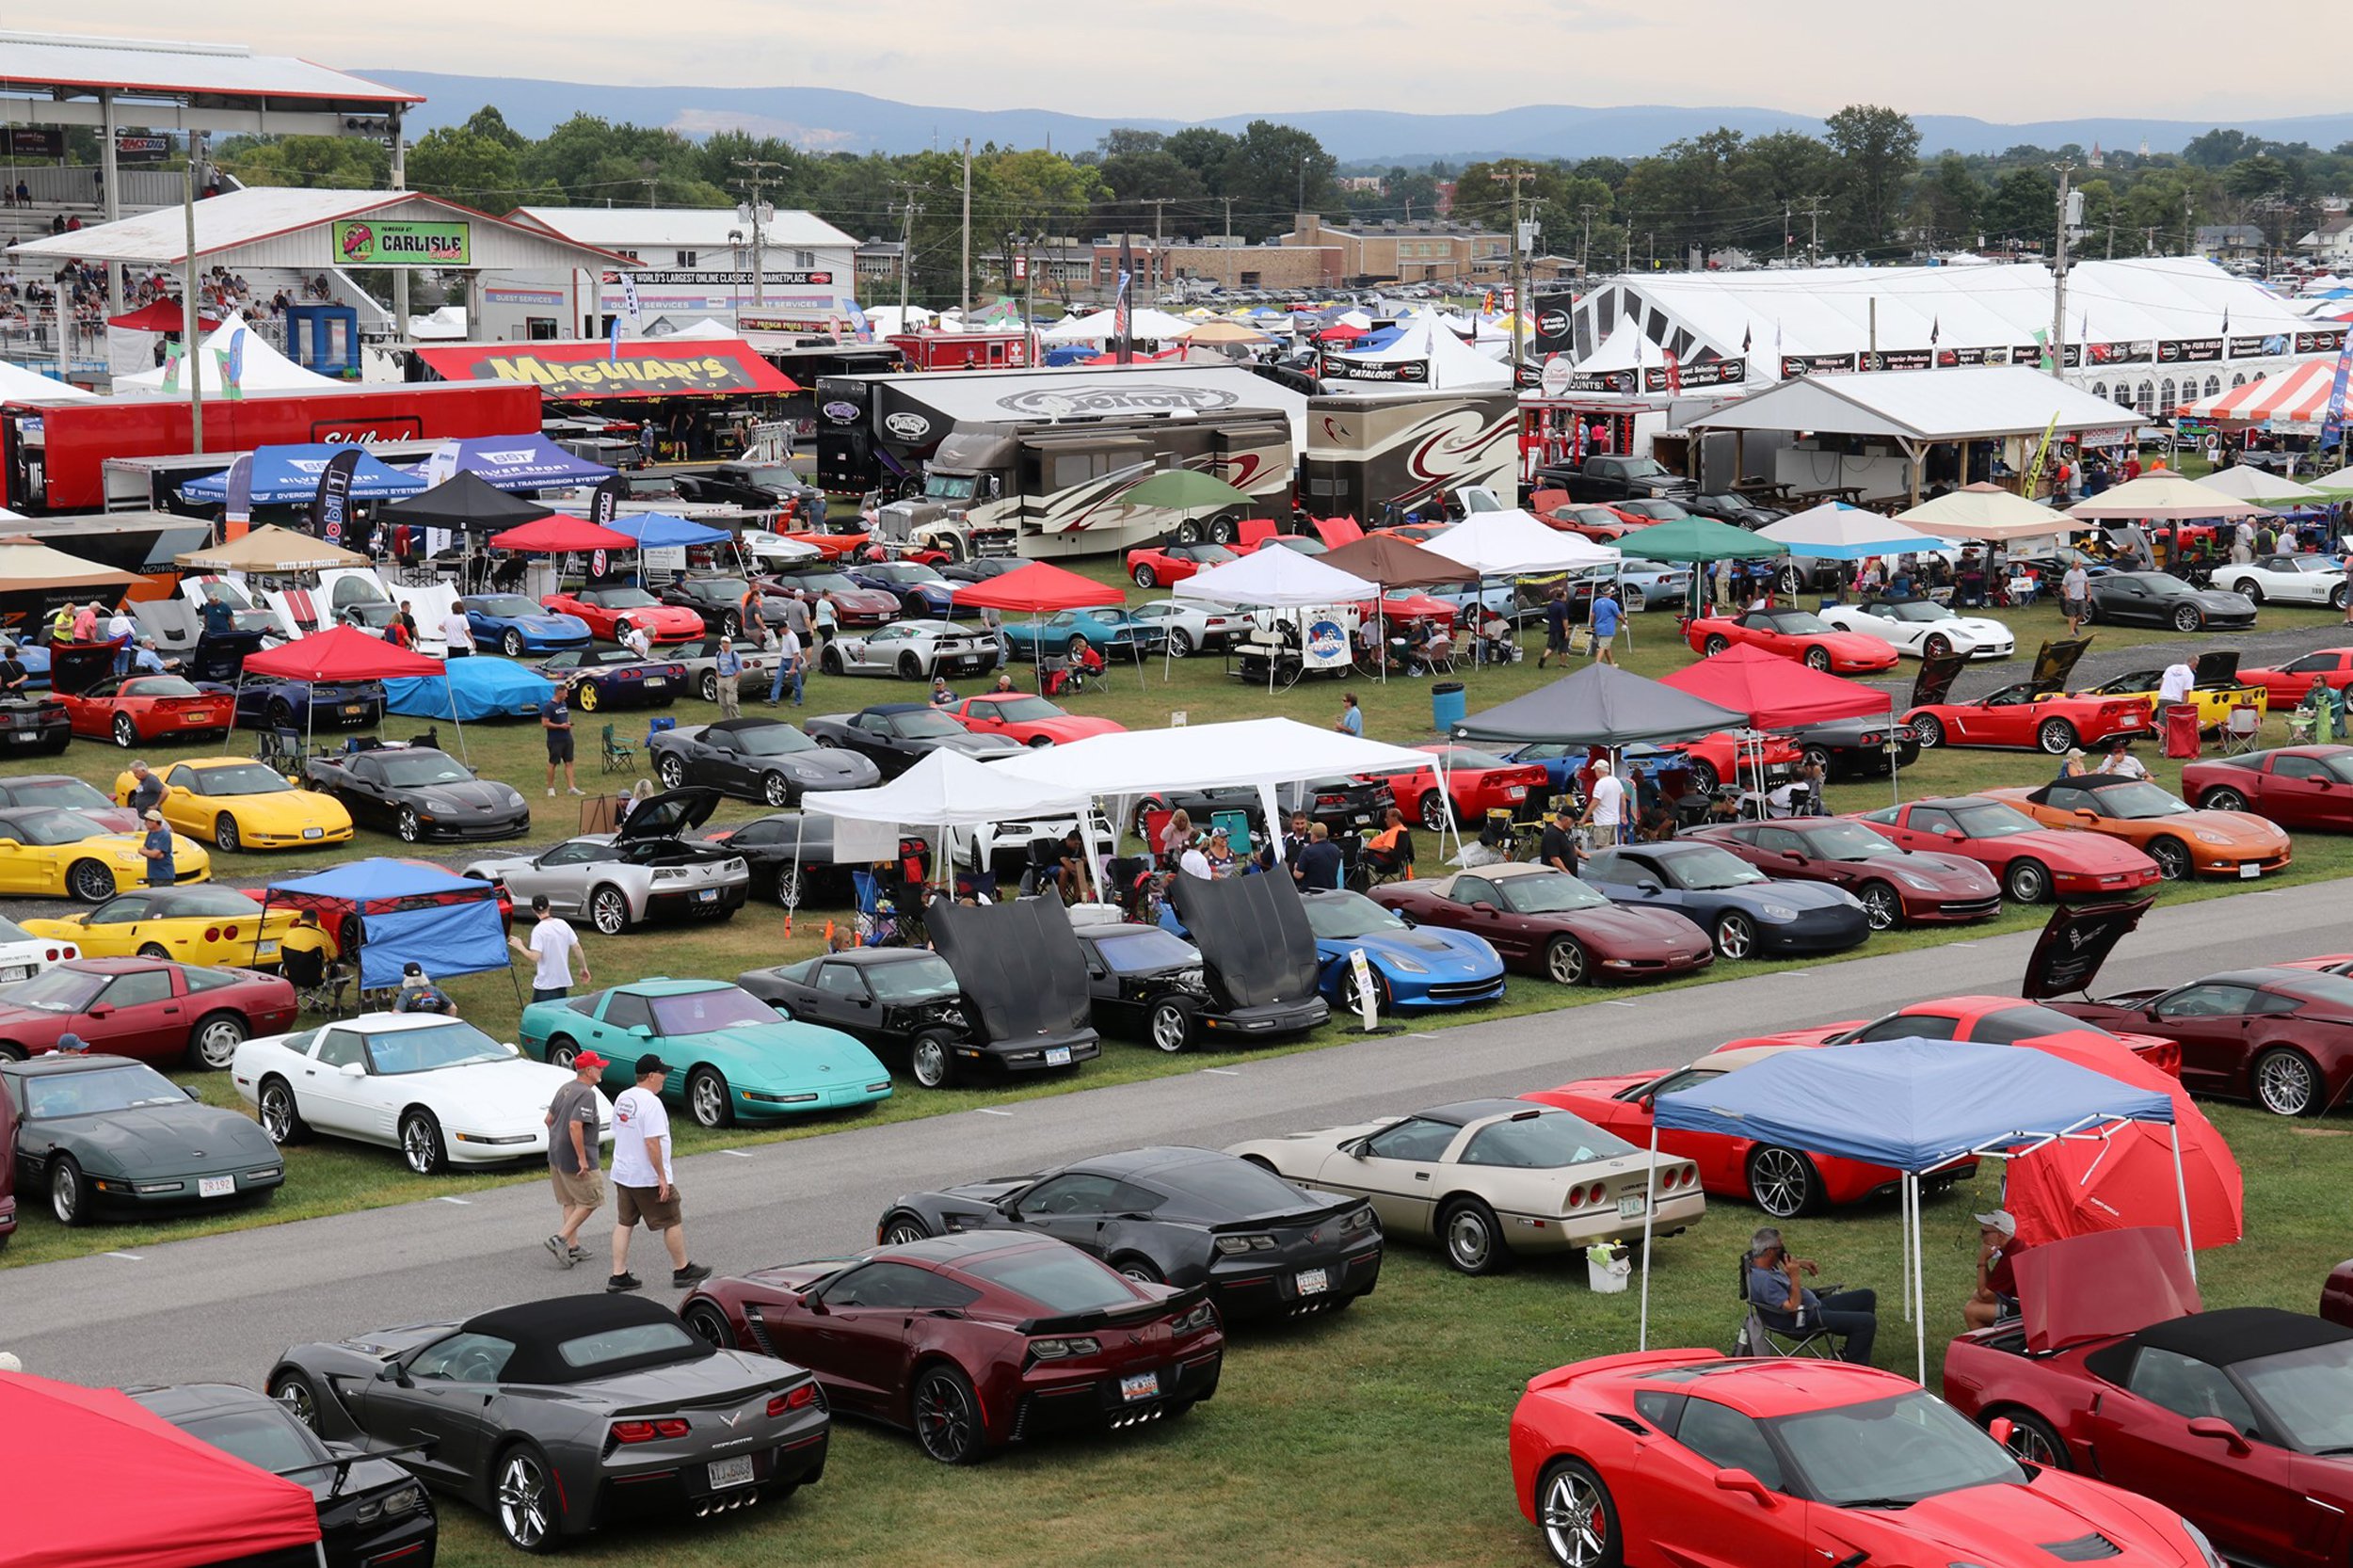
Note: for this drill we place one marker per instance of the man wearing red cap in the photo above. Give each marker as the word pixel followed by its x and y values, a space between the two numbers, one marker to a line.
pixel 573 1123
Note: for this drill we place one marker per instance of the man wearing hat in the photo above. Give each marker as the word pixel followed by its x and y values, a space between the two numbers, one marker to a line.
pixel 2120 763
pixel 156 848
pixel 643 1185
pixel 1558 847
pixel 573 1126
pixel 418 994
pixel 1996 1296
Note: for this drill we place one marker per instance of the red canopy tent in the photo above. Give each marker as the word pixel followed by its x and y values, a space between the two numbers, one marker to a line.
pixel 346 653
pixel 187 1504
pixel 1043 588
pixel 164 315
pixel 557 534
pixel 1775 691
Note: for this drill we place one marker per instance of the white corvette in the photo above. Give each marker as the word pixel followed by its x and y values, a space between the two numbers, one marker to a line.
pixel 436 1088
pixel 1920 627
pixel 2289 579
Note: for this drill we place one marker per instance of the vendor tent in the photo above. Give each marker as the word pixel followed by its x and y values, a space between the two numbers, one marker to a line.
pixel 1914 1105
pixel 259 366
pixel 1917 408
pixel 28 568
pixel 553 536
pixel 1394 563
pixel 1424 354
pixel 2290 399
pixel 660 531
pixel 20 385
pixel 409 911
pixel 163 315
pixel 98 1481
pixel 270 550
pixel 482 687
pixel 285 474
pixel 1511 543
pixel 1144 325
pixel 1987 513
pixel 466 503
pixel 1600 705
pixel 1697 538
pixel 343 653
pixel 526 462
pixel 1276 578
pixel 2337 486
pixel 947 788
pixel 1039 588
pixel 2250 482
pixel 1775 692
pixel 2162 496
pixel 1837 532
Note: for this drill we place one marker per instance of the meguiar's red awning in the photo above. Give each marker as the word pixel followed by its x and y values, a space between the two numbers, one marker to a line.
pixel 700 367
pixel 1772 691
pixel 554 534
pixel 102 1482
pixel 340 653
pixel 1038 589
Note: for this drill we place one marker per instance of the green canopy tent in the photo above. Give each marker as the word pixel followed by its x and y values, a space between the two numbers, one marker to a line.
pixel 1696 540
pixel 1186 491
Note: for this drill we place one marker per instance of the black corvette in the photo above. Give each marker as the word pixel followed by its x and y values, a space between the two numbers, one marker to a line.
pixel 757 759
pixel 1856 748
pixel 2160 599
pixel 903 1003
pixel 614 678
pixel 720 603
pixel 559 1416
pixel 309 705
pixel 371 1512
pixel 1175 1216
pixel 896 735
pixel 419 793
pixel 1258 969
pixel 786 847
pixel 34 723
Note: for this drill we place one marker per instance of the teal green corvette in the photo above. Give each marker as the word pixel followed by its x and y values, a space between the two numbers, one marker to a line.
pixel 733 1058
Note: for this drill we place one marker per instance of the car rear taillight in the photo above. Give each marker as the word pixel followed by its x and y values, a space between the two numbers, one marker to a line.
pixel 646 1432
pixel 212 933
pixel 794 1399
pixel 229 933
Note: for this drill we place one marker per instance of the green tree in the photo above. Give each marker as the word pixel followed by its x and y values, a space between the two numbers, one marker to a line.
pixel 332 162
pixel 468 167
pixel 1945 203
pixel 1271 172
pixel 2024 208
pixel 1878 151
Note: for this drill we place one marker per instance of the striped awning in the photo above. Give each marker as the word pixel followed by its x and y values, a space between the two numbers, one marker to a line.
pixel 2295 396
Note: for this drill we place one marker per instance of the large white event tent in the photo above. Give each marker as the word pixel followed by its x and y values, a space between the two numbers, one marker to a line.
pixel 261 367
pixel 942 792
pixel 19 385
pixel 1425 355
pixel 1511 543
pixel 1147 325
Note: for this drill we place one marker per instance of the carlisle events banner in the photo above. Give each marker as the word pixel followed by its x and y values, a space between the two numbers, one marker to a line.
pixel 402 242
pixel 720 367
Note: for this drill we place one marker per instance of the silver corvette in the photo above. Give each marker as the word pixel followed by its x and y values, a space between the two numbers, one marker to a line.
pixel 645 870
pixel 912 650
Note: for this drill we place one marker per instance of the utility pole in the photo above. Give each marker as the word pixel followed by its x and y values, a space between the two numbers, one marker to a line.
pixel 1226 242
pixel 650 183
pixel 2059 277
pixel 908 213
pixel 1584 211
pixel 1158 206
pixel 2151 241
pixel 1785 230
pixel 1814 243
pixel 1516 177
pixel 964 273
pixel 2189 206
pixel 758 169
pixel 2111 232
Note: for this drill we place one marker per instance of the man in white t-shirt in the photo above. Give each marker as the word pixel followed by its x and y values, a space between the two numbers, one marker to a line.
pixel 1605 809
pixel 644 1188
pixel 2176 683
pixel 552 947
pixel 457 631
pixel 1193 863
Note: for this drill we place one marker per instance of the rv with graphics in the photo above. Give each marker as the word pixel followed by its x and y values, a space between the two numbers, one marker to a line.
pixel 1377 455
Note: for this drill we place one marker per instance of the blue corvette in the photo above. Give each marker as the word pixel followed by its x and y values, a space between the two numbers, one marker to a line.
pixel 1744 912
pixel 513 625
pixel 922 593
pixel 306 705
pixel 1413 966
pixel 1107 632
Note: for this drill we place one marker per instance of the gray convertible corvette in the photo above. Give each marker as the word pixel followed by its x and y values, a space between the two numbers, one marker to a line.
pixel 558 1417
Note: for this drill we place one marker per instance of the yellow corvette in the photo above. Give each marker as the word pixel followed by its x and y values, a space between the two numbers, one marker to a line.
pixel 49 853
pixel 211 926
pixel 2218 690
pixel 236 803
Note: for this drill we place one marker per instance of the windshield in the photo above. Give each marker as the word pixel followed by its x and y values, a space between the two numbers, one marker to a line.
pixel 413 768
pixel 1546 893
pixel 1994 821
pixel 124 1088
pixel 2162 585
pixel 926 725
pixel 1707 867
pixel 1917 609
pixel 1642 467
pixel 717 587
pixel 374 612
pixel 1023 708
pixel 1339 917
pixel 56 991
pixel 949 487
pixel 904 571
pixel 772 740
pixel 1142 951
pixel 180 901
pixel 1848 840
pixel 2135 800
pixel 422 1050
pixel 1547 1141
pixel 506 604
pixel 54 827
pixel 701 1012
pixel 1227 1185
pixel 1464 760
pixel 246 778
pixel 160 685
pixel 1893 1450
pixel 2340 767
pixel 2027 1022
pixel 925 979
pixel 1797 623
pixel 624 598
pixel 264 1438
pixel 1059 1280
pixel 821 583
pixel 2310 1391
pixel 58 792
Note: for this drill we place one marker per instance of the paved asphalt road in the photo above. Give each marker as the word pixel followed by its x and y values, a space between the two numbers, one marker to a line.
pixel 221 1308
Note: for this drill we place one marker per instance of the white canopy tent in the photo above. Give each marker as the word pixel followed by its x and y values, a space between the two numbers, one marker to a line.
pixel 19 385
pixel 263 368
pixel 1988 513
pixel 2161 497
pixel 1102 325
pixel 942 792
pixel 1425 354
pixel 1511 543
pixel 1836 531
pixel 1277 578
pixel 2248 483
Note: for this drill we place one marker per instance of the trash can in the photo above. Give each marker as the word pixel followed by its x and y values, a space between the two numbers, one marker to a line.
pixel 1448 706
pixel 2181 729
pixel 1607 1267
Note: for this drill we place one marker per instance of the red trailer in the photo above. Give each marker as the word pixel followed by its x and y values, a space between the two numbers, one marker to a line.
pixel 1005 350
pixel 51 452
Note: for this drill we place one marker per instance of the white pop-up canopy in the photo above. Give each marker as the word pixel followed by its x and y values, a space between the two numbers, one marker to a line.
pixel 20 385
pixel 2250 482
pixel 1988 513
pixel 1835 531
pixel 259 367
pixel 1425 352
pixel 1511 543
pixel 1277 578
pixel 947 788
pixel 2162 497
pixel 1103 326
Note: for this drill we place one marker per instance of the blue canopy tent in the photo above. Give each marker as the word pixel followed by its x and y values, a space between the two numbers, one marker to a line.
pixel 660 531
pixel 483 687
pixel 408 910
pixel 530 462
pixel 283 474
pixel 1914 1105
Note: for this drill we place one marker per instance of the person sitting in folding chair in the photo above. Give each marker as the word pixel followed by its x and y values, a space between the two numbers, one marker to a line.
pixel 1086 666
pixel 1786 1308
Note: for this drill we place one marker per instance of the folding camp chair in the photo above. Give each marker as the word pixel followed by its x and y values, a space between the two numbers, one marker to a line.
pixel 2241 731
pixel 279 750
pixel 1760 1336
pixel 1437 656
pixel 319 984
pixel 619 755
pixel 877 924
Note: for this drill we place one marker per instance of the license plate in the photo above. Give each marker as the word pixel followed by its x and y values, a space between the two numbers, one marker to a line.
pixel 1313 1282
pixel 1517 792
pixel 1058 1056
pixel 1630 1208
pixel 266 948
pixel 1143 1385
pixel 23 737
pixel 314 833
pixel 17 972
pixel 731 1472
pixel 708 895
pixel 2249 871
pixel 191 718
pixel 354 709
pixel 216 1186
pixel 655 682
pixel 1364 819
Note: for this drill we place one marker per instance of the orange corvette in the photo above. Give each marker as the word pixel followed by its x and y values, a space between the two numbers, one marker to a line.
pixel 2183 840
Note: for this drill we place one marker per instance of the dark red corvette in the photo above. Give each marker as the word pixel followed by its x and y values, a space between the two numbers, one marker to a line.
pixel 151 1009
pixel 1897 885
pixel 976 1340
pixel 2295 786
pixel 2281 1037
pixel 1541 920
pixel 2034 862
pixel 2241 1420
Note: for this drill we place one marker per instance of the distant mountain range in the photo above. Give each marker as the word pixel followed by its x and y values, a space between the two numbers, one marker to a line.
pixel 826 118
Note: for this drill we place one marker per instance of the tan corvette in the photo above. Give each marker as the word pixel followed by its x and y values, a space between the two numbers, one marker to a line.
pixel 1490 1180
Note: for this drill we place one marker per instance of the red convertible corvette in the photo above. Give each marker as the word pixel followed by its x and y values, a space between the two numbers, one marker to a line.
pixel 607 609
pixel 139 709
pixel 1897 885
pixel 977 1339
pixel 1156 565
pixel 2034 862
pixel 2296 786
pixel 151 1009
pixel 2037 713
pixel 1542 920
pixel 2281 1037
pixel 2287 684
pixel 1680 1458
pixel 1476 781
pixel 2242 1417
pixel 1027 718
pixel 1799 634
pixel 1780 1181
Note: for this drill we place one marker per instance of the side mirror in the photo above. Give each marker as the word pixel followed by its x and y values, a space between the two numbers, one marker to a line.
pixel 643 1032
pixel 1355 1148
pixel 1650 887
pixel 782 1011
pixel 1954 835
pixel 816 1305
pixel 393 1371
pixel 2221 1431
pixel 1794 856
pixel 1999 1429
pixel 354 1069
pixel 1740 1480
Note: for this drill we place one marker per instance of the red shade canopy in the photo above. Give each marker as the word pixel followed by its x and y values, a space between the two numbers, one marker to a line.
pixel 1772 691
pixel 343 653
pixel 1039 587
pixel 164 315
pixel 102 1482
pixel 554 534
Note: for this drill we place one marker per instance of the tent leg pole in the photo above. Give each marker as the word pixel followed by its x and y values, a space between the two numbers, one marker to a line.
pixel 1919 1291
pixel 1650 1181
pixel 2189 1245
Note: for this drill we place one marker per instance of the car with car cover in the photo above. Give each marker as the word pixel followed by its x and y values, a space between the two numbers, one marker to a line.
pixel 1746 913
pixel 419 792
pixel 1544 921
pixel 103 1135
pixel 646 868
pixel 755 758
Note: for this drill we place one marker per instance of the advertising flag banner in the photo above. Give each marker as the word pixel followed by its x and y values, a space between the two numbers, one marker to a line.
pixel 1123 305
pixel 2332 418
pixel 240 512
pixel 330 507
pixel 604 502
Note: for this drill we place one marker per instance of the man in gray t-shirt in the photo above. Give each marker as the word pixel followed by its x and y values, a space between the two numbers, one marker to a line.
pixel 573 1123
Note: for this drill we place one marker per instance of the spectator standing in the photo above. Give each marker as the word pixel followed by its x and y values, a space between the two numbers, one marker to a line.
pixel 791 667
pixel 147 791
pixel 1606 615
pixel 1604 807
pixel 555 727
pixel 1555 626
pixel 553 945
pixel 86 624
pixel 573 1119
pixel 644 1187
pixel 124 633
pixel 728 669
pixel 1320 864
pixel 2073 588
pixel 828 623
pixel 458 632
pixel 1194 861
pixel 1558 847
pixel 407 620
pixel 1352 720
pixel 2176 683
pixel 156 849
pixel 637 640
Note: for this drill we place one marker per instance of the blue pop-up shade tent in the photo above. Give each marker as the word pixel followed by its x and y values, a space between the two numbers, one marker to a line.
pixel 530 462
pixel 660 531
pixel 408 910
pixel 290 474
pixel 482 687
pixel 1913 1105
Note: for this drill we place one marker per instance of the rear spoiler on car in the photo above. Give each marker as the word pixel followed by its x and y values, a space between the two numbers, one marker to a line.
pixel 1288 1218
pixel 1177 1304
pixel 341 1464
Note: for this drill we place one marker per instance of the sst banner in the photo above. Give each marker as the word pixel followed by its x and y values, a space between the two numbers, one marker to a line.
pixel 330 507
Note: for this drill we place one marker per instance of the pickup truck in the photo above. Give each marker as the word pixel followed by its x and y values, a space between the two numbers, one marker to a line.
pixel 1606 479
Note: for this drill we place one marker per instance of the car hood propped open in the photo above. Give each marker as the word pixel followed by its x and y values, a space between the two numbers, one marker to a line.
pixel 1257 947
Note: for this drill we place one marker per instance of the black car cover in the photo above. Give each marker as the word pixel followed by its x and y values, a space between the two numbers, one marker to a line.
pixel 1257 947
pixel 2075 941
pixel 1019 966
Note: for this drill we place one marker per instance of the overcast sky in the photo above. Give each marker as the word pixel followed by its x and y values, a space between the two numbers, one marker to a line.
pixel 2006 60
